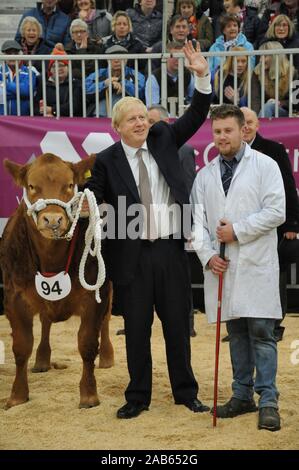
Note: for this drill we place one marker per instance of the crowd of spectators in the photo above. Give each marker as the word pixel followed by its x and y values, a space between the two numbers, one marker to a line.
pixel 100 26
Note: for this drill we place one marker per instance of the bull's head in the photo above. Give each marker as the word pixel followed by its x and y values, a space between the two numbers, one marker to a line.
pixel 49 177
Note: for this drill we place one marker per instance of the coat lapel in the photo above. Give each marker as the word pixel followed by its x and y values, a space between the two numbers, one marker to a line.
pixel 123 167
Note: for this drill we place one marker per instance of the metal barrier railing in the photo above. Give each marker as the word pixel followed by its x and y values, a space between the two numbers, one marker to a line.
pixel 180 104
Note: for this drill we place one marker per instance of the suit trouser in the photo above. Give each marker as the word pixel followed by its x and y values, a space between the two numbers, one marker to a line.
pixel 162 282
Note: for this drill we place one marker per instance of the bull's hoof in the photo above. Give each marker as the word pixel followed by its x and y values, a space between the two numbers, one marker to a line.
pixel 38 369
pixel 89 402
pixel 106 363
pixel 15 402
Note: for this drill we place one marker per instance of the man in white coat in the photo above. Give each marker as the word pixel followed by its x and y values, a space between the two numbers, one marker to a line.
pixel 239 199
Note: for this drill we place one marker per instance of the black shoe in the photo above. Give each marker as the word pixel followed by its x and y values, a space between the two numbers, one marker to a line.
pixel 235 407
pixel 131 410
pixel 225 339
pixel 193 333
pixel 120 332
pixel 269 419
pixel 195 405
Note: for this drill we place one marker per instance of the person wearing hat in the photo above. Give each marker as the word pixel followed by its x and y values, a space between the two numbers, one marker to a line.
pixel 288 244
pixel 121 85
pixel 11 47
pixel 47 106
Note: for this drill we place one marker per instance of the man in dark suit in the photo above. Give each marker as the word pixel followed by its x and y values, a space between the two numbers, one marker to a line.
pixel 290 228
pixel 151 270
pixel 157 113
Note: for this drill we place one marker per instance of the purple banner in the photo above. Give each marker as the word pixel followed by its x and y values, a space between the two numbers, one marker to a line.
pixel 24 138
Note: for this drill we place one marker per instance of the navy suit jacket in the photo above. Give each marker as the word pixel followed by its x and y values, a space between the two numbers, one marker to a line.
pixel 112 177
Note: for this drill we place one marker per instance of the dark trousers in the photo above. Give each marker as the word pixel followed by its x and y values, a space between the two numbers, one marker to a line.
pixel 162 282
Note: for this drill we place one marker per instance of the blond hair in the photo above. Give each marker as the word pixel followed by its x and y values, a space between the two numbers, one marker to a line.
pixel 31 20
pixel 115 18
pixel 283 70
pixel 276 22
pixel 121 108
pixel 228 69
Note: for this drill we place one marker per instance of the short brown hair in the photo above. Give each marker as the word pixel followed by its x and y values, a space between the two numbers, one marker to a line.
pixel 228 110
pixel 226 19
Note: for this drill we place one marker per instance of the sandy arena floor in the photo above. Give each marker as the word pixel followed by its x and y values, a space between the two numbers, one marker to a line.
pixel 52 420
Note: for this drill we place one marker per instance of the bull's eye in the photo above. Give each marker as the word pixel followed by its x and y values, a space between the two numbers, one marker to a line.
pixel 30 187
pixel 71 186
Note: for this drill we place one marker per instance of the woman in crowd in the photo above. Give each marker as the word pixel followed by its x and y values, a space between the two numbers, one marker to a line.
pixel 282 30
pixel 31 40
pixel 122 35
pixel 200 27
pixel 284 73
pixel 230 37
pixel 99 21
pixel 230 94
pixel 81 44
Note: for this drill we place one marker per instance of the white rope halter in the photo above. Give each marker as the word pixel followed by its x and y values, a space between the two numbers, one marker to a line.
pixel 92 234
pixel 40 204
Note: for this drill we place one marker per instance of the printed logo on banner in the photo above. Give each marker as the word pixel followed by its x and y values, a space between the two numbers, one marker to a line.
pixel 60 144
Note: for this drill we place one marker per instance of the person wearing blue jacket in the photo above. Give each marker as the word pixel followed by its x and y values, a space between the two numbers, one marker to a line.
pixel 116 83
pixel 55 23
pixel 11 47
pixel 230 37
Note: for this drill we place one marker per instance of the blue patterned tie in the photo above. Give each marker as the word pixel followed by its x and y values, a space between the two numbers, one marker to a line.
pixel 228 173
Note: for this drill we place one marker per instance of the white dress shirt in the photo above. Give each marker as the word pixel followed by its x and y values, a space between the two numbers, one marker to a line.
pixel 166 212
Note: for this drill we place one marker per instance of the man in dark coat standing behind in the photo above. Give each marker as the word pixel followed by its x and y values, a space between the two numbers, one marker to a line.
pixel 290 228
pixel 151 270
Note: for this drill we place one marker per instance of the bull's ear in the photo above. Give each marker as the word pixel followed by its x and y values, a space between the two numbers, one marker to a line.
pixel 82 169
pixel 18 172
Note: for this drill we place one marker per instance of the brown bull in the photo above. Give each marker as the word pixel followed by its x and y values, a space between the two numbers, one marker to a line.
pixel 30 246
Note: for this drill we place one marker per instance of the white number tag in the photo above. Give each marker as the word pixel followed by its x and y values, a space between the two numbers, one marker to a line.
pixel 53 288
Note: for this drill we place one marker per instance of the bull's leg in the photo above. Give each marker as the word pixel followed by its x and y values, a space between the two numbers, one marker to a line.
pixel 88 346
pixel 43 353
pixel 106 349
pixel 22 348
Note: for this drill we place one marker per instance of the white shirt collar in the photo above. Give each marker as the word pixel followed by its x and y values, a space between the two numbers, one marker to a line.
pixel 131 151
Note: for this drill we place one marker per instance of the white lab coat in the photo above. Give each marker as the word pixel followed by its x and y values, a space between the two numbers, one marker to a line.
pixel 255 204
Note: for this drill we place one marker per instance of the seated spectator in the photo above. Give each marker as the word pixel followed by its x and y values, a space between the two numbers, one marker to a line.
pixel 12 47
pixel 117 81
pixel 178 32
pixel 31 40
pixel 55 23
pixel 121 26
pixel 290 8
pixel 147 22
pixel 99 21
pixel 153 83
pixel 248 16
pixel 47 105
pixel 282 30
pixel 270 83
pixel 259 5
pixel 230 37
pixel 230 95
pixel 199 24
pixel 81 44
